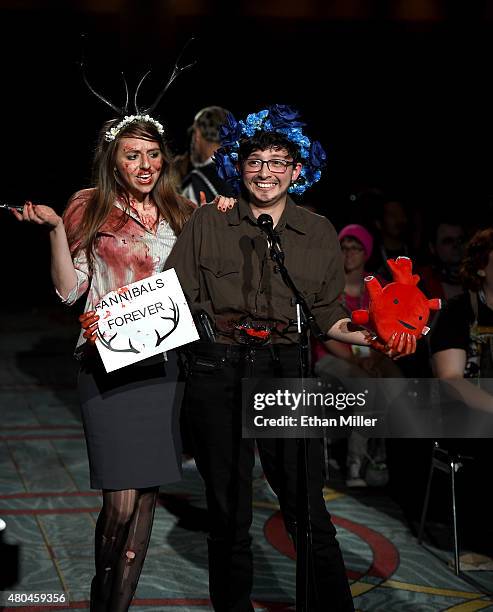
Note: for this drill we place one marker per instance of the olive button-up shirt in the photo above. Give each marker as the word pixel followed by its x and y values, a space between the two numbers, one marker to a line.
pixel 225 269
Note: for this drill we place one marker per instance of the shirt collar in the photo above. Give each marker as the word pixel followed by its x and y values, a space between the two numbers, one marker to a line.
pixel 133 214
pixel 291 216
pixel 239 212
pixel 128 210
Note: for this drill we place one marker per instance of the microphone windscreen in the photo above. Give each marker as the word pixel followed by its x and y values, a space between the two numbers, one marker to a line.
pixel 265 221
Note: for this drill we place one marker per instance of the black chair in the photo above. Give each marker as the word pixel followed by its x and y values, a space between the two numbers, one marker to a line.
pixel 449 463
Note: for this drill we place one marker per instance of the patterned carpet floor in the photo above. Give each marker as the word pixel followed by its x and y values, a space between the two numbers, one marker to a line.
pixel 50 512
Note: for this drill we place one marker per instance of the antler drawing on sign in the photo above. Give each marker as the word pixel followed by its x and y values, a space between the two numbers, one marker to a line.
pixel 175 319
pixel 107 344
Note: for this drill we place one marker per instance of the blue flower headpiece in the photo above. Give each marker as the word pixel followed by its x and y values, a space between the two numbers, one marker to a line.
pixel 280 119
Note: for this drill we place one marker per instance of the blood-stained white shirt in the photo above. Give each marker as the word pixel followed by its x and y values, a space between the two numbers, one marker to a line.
pixel 125 252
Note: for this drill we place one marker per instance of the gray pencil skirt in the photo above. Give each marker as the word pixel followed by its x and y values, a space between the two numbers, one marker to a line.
pixel 131 423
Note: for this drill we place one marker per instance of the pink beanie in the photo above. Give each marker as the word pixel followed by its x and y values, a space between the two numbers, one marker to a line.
pixel 361 234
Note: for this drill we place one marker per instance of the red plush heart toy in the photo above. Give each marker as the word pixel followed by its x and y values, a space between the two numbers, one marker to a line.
pixel 399 306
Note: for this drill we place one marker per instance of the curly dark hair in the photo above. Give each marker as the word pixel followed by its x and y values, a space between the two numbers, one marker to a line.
pixel 476 258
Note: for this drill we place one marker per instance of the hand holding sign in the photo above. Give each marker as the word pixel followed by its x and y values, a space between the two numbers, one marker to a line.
pixel 89 323
pixel 140 320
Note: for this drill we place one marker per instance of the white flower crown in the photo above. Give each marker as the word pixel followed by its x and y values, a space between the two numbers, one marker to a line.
pixel 113 133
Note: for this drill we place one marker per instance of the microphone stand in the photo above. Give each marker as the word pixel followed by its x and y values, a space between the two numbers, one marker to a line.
pixel 304 545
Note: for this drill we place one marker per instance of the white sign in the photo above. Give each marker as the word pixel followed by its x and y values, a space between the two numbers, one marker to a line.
pixel 143 319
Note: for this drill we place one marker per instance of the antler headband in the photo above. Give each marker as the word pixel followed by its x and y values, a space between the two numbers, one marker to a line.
pixel 139 113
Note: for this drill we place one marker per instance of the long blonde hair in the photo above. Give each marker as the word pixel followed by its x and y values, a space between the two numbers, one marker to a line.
pixel 171 206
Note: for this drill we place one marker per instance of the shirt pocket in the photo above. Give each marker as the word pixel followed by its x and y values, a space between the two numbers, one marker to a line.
pixel 220 282
pixel 219 267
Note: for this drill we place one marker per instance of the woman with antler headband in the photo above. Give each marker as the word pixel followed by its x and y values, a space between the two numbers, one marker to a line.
pixel 116 233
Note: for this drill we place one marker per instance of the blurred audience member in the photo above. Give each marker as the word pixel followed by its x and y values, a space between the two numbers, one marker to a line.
pixel 462 348
pixel 356 245
pixel 341 360
pixel 462 339
pixel 441 277
pixel 392 225
pixel 201 183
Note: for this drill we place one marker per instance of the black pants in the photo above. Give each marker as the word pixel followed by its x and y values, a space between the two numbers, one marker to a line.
pixel 225 460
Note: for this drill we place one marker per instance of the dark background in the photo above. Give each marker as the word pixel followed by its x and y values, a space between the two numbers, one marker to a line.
pixel 399 94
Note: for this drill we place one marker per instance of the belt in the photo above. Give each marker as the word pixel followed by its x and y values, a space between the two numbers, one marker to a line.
pixel 218 349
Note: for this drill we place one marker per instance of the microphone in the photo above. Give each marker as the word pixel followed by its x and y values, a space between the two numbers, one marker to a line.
pixel 266 224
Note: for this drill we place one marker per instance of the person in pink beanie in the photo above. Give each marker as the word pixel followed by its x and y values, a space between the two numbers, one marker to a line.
pixel 356 245
pixel 356 361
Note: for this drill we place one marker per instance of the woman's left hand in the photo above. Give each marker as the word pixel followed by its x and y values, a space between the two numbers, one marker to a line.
pixel 224 203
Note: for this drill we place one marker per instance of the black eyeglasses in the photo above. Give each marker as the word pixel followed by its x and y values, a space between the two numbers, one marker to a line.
pixel 277 166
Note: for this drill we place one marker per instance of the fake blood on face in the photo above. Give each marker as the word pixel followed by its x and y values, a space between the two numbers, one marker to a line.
pixel 139 163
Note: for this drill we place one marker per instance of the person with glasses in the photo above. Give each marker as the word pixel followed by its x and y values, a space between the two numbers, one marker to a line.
pixel 226 272
pixel 343 360
pixel 441 276
pixel 224 266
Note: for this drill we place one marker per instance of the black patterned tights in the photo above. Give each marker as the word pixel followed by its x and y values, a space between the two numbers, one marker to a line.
pixel 123 530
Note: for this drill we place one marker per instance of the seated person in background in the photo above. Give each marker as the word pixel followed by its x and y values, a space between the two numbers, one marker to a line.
pixel 392 240
pixel 356 245
pixel 462 353
pixel 441 277
pixel 461 341
pixel 343 360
